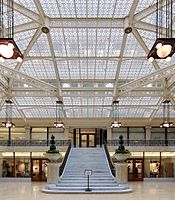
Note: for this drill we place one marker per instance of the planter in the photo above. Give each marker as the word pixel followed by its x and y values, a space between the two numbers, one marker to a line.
pixel 121 157
pixel 53 157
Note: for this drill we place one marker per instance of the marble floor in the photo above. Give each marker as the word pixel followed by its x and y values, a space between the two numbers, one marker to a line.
pixel 141 191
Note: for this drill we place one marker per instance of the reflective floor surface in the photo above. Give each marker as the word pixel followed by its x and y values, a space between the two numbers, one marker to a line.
pixel 141 191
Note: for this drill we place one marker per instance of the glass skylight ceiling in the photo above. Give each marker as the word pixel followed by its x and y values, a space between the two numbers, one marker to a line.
pixel 87 69
pixel 20 19
pixel 89 42
pixel 84 58
pixel 36 101
pixel 42 69
pixel 87 9
pixel 28 4
pixel 41 47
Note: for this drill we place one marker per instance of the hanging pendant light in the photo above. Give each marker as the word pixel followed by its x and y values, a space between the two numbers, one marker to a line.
pixel 115 109
pixel 8 123
pixel 8 47
pixel 166 114
pixel 164 46
pixel 59 123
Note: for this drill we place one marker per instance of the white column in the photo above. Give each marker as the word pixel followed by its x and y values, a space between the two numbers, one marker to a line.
pixel 148 132
pixel 147 168
pixel 1 161
pixel 121 173
pixel 53 173
pixel 66 132
pixel 27 133
pixel 109 133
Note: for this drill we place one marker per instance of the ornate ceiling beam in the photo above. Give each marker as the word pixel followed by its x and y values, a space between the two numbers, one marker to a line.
pixel 150 78
pixel 21 77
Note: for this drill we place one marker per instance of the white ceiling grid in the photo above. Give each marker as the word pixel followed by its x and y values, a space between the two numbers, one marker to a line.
pixel 86 60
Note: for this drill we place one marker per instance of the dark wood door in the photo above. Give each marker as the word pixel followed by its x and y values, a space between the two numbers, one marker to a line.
pixel 135 169
pixel 38 169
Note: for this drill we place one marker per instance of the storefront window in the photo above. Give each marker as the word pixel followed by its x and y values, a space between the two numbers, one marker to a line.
pixel 22 164
pixel 116 132
pixel 171 133
pixel 39 133
pixel 7 164
pixel 4 132
pixel 152 164
pixel 157 133
pixel 18 133
pixel 57 132
pixel 136 133
pixel 167 164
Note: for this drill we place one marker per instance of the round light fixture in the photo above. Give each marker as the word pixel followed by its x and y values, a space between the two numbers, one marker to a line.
pixel 6 51
pixel 159 45
pixel 19 59
pixel 150 59
pixel 11 46
pixel 164 51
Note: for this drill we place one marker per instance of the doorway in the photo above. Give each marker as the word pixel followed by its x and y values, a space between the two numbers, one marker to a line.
pixel 39 169
pixel 135 169
pixel 87 140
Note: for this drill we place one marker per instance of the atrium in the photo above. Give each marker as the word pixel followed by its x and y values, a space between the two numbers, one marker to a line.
pixel 76 59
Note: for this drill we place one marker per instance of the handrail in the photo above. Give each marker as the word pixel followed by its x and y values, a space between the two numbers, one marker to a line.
pixel 62 166
pixel 112 167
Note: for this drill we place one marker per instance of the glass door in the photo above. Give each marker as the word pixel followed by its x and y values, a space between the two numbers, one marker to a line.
pixel 83 140
pixel 88 140
pixel 91 140
pixel 38 170
pixel 135 169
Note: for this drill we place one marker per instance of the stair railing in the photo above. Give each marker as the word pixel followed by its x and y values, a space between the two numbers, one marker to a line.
pixel 62 166
pixel 111 165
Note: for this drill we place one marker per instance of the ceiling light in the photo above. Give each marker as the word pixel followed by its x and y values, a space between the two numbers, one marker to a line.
pixel 8 123
pixel 164 46
pixel 166 114
pixel 115 109
pixel 8 47
pixel 59 107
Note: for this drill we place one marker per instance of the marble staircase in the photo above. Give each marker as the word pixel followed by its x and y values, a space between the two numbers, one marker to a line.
pixel 73 179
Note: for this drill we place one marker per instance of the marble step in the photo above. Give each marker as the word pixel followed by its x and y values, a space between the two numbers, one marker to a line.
pixel 84 187
pixel 71 177
pixel 85 181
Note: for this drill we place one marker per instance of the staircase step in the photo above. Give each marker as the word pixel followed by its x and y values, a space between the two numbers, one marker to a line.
pixel 73 178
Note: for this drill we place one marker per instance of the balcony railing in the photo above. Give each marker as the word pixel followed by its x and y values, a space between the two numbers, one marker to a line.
pixel 142 142
pixel 32 143
pixel 66 142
